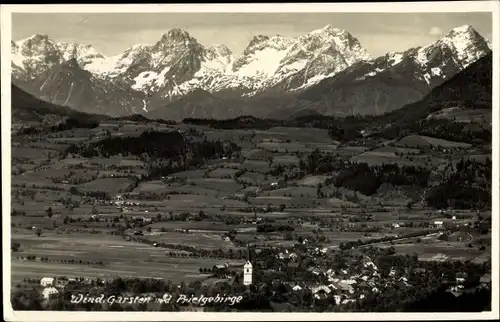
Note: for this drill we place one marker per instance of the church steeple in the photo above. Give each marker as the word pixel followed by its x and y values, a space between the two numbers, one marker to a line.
pixel 249 254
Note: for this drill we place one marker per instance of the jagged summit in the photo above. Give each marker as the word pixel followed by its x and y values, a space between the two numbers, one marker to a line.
pixel 219 50
pixel 177 35
pixel 329 29
pixel 36 37
pixel 257 39
pixel 463 33
pixel 464 28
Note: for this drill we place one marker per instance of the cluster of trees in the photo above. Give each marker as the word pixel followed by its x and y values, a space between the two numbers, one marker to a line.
pixel 269 228
pixel 365 179
pixel 318 163
pixel 344 132
pixel 164 152
pixel 72 261
pixel 154 145
pixel 16 212
pixel 242 122
pixel 468 187
pixel 15 246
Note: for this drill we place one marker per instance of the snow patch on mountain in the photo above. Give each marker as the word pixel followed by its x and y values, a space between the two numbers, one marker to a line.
pixel 395 58
pixel 84 54
pixel 313 81
pixel 17 57
pixel 263 63
pixel 103 67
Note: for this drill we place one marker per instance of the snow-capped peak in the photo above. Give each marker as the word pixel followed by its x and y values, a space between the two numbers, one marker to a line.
pixel 459 48
pixel 463 29
pixel 34 55
pixel 35 38
pixel 38 43
pixel 177 37
pixel 464 42
pixel 176 34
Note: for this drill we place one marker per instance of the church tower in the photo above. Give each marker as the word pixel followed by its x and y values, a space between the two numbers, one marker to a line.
pixel 247 273
pixel 247 270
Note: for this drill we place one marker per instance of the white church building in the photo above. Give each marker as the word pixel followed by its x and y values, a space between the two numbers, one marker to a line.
pixel 247 273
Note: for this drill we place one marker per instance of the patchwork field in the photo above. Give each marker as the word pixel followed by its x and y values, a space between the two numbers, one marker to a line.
pixel 120 257
pixel 70 209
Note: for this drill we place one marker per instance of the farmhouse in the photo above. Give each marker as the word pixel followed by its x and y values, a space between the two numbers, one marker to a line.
pixel 438 224
pixel 338 299
pixel 141 219
pixel 49 292
pixel 283 256
pixel 47 281
pixel 240 196
pixel 225 270
pixel 321 288
pixel 221 270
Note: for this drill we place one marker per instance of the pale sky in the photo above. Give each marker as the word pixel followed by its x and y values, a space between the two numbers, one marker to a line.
pixel 112 33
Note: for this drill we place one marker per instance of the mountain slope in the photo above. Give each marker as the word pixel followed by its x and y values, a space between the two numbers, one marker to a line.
pixel 27 108
pixel 68 84
pixel 396 79
pixel 471 89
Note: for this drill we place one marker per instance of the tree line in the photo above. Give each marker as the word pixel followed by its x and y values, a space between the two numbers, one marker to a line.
pixel 365 179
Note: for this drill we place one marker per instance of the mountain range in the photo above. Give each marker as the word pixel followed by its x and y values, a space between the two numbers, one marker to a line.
pixel 326 70
pixel 466 95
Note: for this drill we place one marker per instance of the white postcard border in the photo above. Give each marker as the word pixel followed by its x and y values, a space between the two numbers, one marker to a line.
pixel 389 7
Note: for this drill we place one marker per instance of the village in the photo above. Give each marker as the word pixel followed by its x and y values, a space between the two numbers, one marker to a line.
pixel 331 277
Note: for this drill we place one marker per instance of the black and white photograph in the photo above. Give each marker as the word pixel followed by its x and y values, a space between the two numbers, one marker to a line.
pixel 312 160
